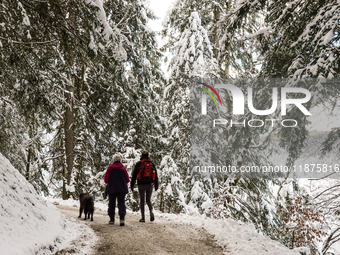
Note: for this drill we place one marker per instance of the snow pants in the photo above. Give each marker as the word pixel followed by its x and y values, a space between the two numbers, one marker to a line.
pixel 145 188
pixel 121 205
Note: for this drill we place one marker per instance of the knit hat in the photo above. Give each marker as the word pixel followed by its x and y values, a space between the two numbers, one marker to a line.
pixel 145 154
pixel 116 158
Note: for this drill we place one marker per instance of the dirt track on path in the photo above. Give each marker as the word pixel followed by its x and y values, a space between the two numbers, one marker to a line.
pixel 159 237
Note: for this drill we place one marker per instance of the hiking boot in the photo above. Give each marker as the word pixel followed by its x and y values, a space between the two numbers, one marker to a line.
pixel 122 223
pixel 142 220
pixel 111 222
pixel 152 216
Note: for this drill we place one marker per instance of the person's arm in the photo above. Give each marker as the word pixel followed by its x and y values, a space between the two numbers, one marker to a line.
pixel 134 175
pixel 107 175
pixel 156 177
pixel 127 176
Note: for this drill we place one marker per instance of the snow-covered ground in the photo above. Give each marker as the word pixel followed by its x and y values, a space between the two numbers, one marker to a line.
pixel 31 225
pixel 234 236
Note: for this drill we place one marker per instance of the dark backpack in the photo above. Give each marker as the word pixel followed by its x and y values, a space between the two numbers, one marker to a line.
pixel 147 171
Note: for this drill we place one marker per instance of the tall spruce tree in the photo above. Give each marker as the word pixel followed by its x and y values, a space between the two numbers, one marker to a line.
pixel 233 54
pixel 193 59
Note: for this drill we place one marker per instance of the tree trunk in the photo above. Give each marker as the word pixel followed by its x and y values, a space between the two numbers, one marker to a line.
pixel 215 33
pixel 69 111
pixel 227 61
pixel 227 47
pixel 78 179
pixel 27 174
pixel 161 204
pixel 64 193
pixel 68 139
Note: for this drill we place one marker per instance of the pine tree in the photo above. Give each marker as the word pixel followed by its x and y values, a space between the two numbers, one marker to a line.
pixel 193 59
pixel 232 52
pixel 305 47
pixel 132 68
pixel 170 197
pixel 199 195
pixel 80 68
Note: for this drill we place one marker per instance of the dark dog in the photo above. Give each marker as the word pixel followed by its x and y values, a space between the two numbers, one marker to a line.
pixel 86 204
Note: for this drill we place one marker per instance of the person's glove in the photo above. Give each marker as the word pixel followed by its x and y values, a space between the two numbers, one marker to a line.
pixel 131 188
pixel 156 188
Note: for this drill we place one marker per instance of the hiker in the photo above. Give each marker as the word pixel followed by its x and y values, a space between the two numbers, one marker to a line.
pixel 146 172
pixel 117 178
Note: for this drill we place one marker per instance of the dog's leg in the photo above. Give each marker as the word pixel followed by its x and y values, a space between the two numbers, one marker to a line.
pixel 91 216
pixel 81 206
pixel 80 212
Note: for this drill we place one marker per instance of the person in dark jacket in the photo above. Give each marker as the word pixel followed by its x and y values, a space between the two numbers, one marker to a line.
pixel 117 179
pixel 144 187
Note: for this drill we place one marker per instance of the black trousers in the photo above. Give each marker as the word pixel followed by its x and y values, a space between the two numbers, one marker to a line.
pixel 121 205
pixel 145 189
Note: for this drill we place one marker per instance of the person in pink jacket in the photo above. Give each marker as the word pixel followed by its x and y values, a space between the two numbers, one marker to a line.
pixel 117 179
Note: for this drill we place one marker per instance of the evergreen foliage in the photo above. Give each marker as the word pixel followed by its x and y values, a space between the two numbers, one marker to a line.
pixel 82 74
pixel 81 81
pixel 193 59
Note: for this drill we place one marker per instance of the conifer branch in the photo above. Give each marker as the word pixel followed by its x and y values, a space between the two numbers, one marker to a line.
pixel 17 42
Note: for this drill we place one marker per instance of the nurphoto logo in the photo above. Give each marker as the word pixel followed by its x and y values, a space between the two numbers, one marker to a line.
pixel 263 128
pixel 238 99
pixel 238 104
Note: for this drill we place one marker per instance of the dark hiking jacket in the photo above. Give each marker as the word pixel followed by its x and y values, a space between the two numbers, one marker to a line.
pixel 135 174
pixel 117 178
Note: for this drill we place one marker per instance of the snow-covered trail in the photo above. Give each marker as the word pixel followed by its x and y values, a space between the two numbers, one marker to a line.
pixel 31 224
pixel 163 236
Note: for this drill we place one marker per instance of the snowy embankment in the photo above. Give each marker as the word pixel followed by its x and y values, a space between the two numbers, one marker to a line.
pixel 235 237
pixel 31 225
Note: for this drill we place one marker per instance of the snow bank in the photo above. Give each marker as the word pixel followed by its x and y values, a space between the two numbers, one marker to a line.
pixel 235 237
pixel 29 224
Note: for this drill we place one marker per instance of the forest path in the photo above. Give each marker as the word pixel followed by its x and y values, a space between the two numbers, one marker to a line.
pixel 159 237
